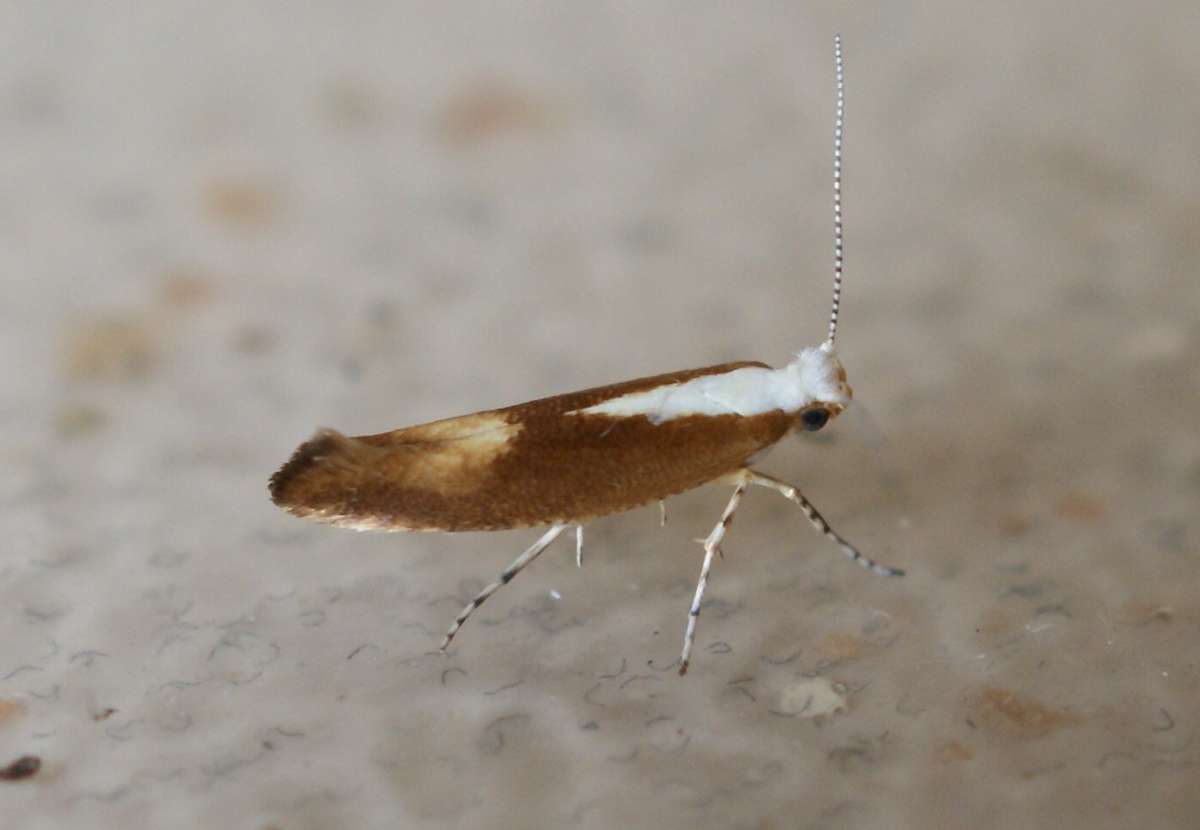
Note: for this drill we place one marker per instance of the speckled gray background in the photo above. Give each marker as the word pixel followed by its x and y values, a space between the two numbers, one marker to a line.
pixel 223 224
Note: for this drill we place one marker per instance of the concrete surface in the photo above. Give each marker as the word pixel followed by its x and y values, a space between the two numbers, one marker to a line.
pixel 222 225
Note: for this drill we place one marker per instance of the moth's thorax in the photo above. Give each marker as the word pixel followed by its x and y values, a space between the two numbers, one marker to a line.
pixel 814 377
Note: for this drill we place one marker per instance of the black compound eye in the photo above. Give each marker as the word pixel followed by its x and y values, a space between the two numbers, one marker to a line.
pixel 814 419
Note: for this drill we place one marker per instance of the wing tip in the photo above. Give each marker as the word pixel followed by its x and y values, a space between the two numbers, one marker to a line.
pixel 326 448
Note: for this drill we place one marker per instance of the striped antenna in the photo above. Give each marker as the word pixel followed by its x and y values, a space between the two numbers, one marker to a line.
pixel 837 188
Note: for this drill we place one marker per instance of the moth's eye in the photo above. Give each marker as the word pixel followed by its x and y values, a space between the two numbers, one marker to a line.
pixel 814 419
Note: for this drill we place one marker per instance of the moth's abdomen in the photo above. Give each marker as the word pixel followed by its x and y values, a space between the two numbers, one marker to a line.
pixel 528 465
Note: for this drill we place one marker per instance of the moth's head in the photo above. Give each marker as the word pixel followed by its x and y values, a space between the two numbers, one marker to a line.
pixel 824 392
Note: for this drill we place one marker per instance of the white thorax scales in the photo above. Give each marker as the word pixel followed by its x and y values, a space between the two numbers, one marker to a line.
pixel 814 376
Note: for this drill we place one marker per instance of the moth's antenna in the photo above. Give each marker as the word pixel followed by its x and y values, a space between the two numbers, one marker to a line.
pixel 837 188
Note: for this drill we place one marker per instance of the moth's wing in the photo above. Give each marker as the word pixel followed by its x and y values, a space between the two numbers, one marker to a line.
pixel 532 464
pixel 419 478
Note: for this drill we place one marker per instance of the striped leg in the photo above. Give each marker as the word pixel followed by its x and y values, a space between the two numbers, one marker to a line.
pixel 512 570
pixel 711 545
pixel 818 521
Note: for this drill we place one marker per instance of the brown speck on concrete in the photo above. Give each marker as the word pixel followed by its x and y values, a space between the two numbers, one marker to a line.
pixel 10 709
pixel 118 347
pixel 1079 506
pixel 993 628
pixel 839 647
pixel 993 623
pixel 1038 772
pixel 186 290
pixel 78 420
pixel 490 109
pixel 1144 612
pixel 24 767
pixel 951 752
pixel 1013 524
pixel 1005 712
pixel 240 205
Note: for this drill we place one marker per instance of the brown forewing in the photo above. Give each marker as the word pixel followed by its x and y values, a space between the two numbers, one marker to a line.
pixel 525 465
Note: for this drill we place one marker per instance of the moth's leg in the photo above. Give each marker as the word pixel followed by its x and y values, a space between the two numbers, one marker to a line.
pixel 818 521
pixel 711 545
pixel 506 577
pixel 662 513
pixel 578 546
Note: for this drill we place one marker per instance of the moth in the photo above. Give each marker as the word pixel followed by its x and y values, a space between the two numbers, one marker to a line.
pixel 562 461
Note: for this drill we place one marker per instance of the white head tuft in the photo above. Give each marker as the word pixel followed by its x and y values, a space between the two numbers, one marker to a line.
pixel 819 378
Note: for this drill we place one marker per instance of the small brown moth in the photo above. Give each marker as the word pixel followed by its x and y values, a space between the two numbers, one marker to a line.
pixel 565 460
